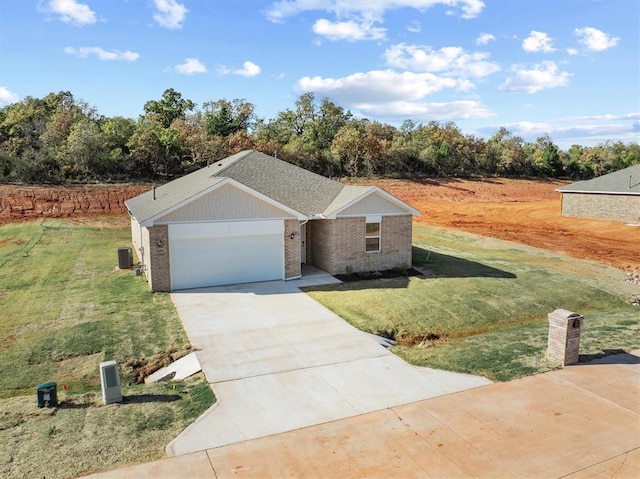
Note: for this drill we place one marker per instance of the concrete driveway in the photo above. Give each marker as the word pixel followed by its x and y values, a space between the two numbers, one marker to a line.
pixel 278 361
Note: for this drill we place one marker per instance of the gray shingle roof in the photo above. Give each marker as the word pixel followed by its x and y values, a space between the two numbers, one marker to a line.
pixel 294 187
pixel 621 182
pixel 288 184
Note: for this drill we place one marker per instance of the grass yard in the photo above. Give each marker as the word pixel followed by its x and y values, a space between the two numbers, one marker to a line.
pixel 483 303
pixel 65 308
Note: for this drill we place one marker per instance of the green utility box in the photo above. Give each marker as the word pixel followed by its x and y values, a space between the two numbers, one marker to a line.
pixel 47 394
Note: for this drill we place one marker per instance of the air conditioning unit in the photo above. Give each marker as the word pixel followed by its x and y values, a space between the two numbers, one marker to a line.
pixel 125 258
pixel 110 379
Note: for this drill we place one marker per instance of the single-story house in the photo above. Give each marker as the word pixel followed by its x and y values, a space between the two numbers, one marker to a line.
pixel 615 196
pixel 252 217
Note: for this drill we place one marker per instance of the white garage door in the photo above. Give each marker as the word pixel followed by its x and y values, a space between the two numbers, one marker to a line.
pixel 213 254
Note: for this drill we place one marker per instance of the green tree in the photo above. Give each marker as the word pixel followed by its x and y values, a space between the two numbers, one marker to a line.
pixel 224 118
pixel 87 152
pixel 170 107
pixel 117 132
pixel 145 148
pixel 546 157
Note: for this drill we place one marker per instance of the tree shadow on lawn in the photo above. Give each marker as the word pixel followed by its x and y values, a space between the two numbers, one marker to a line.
pixel 438 265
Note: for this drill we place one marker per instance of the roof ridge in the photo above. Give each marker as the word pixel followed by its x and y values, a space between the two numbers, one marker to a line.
pixel 225 163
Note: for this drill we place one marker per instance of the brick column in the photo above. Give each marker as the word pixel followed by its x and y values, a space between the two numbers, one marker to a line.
pixel 564 336
pixel 159 272
pixel 292 266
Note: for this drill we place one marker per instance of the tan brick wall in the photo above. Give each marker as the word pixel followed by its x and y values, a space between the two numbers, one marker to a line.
pixel 158 269
pixel 613 207
pixel 563 344
pixel 292 266
pixel 338 246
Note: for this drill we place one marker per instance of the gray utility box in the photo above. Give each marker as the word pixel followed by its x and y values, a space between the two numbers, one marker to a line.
pixel 125 258
pixel 47 394
pixel 110 380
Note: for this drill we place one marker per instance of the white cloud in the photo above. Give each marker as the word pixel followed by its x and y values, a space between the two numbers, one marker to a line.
pixel 572 51
pixel 583 130
pixel 485 38
pixel 594 39
pixel 414 27
pixel 70 11
pixel 170 13
pixel 447 111
pixel 606 117
pixel 349 30
pixel 248 70
pixel 395 95
pixel 447 60
pixel 366 8
pixel 7 97
pixel 102 54
pixel 191 66
pixel 379 86
pixel 542 76
pixel 538 42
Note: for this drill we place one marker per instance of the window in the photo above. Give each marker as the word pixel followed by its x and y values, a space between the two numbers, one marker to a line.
pixel 372 236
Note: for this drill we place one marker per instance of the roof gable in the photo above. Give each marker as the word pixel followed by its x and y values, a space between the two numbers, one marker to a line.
pixel 621 182
pixel 227 201
pixel 367 200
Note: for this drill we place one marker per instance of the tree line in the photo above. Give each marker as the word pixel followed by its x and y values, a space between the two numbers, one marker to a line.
pixel 59 139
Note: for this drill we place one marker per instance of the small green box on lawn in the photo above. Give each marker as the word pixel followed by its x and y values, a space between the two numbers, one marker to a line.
pixel 47 394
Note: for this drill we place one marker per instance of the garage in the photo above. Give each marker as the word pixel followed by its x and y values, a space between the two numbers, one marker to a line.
pixel 230 252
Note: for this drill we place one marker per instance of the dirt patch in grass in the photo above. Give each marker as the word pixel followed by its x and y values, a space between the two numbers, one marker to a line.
pixel 143 367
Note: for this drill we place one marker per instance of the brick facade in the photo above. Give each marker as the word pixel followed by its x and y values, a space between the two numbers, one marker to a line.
pixel 292 267
pixel 612 207
pixel 158 266
pixel 338 246
pixel 563 343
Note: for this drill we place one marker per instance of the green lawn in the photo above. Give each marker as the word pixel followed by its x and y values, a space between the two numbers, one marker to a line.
pixel 483 303
pixel 66 308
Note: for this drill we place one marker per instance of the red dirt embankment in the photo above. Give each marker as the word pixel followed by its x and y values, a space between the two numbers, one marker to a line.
pixel 20 203
pixel 517 210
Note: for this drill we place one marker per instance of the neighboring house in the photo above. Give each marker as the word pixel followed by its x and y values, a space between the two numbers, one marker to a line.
pixel 615 196
pixel 252 217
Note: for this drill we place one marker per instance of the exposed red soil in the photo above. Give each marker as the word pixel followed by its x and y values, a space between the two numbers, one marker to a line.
pixel 523 211
pixel 517 210
pixel 20 203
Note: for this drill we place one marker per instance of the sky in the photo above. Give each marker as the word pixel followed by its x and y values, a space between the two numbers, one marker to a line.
pixel 566 68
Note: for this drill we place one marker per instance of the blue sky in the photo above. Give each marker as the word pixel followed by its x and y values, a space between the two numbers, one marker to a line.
pixel 569 68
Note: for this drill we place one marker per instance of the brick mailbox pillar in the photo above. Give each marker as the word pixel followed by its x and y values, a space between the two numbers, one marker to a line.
pixel 564 336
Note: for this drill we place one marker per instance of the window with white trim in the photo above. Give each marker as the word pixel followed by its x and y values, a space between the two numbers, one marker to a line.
pixel 372 236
